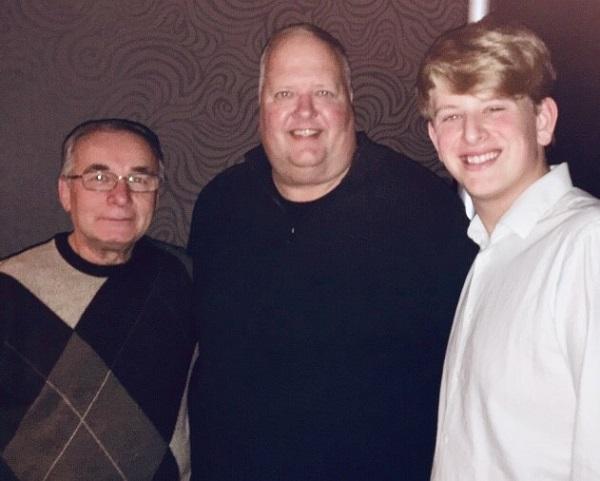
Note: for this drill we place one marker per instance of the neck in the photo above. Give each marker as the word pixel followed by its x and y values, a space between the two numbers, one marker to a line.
pixel 490 214
pixel 296 192
pixel 99 256
pixel 490 211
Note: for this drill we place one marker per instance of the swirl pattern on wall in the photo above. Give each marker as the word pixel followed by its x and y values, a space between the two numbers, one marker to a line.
pixel 188 69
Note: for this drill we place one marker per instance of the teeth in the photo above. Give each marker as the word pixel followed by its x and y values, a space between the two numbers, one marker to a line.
pixel 305 132
pixel 480 159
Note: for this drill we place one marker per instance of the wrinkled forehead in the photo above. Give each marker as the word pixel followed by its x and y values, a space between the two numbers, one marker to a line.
pixel 118 149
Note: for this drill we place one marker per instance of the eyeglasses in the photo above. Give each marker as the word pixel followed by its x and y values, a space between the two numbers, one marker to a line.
pixel 104 181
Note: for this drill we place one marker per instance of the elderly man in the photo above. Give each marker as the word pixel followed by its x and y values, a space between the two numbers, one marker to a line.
pixel 328 268
pixel 95 326
pixel 521 391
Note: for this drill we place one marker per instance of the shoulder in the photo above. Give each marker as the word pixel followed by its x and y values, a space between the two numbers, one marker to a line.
pixel 224 192
pixel 24 276
pixel 171 261
pixel 570 233
pixel 578 213
pixel 171 254
pixel 573 255
pixel 586 204
pixel 230 195
pixel 239 177
pixel 389 166
pixel 399 177
pixel 232 175
pixel 38 256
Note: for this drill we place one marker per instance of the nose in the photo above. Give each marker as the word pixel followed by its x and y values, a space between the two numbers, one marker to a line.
pixel 473 129
pixel 120 194
pixel 305 106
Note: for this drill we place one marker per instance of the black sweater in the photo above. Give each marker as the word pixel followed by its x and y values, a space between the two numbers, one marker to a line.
pixel 323 325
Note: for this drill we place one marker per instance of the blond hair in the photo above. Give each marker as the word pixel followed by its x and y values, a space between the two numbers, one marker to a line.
pixel 508 59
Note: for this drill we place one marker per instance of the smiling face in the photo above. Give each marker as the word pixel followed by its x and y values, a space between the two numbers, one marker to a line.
pixel 106 225
pixel 493 146
pixel 306 117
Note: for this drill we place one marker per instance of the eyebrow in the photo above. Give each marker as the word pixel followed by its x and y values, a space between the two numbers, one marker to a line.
pixel 95 167
pixel 484 102
pixel 443 108
pixel 142 169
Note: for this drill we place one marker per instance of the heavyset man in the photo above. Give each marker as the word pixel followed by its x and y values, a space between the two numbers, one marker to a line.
pixel 327 269
pixel 520 398
pixel 96 326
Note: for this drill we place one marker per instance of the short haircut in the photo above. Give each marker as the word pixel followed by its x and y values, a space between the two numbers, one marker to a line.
pixel 109 125
pixel 333 43
pixel 506 58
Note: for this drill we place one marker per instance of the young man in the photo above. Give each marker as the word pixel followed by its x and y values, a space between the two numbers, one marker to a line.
pixel 520 396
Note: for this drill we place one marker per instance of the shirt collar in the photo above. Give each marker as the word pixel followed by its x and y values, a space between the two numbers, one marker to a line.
pixel 529 207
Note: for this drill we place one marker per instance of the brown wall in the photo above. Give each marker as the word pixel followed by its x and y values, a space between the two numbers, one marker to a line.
pixel 189 70
pixel 571 28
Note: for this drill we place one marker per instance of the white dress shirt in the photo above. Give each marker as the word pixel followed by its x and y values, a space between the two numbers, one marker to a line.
pixel 520 396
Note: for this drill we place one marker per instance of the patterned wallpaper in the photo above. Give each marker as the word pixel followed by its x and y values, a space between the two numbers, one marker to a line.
pixel 188 69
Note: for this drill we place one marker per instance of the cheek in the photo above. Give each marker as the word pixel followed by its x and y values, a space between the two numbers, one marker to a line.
pixel 337 115
pixel 83 206
pixel 507 127
pixel 145 210
pixel 274 112
pixel 273 120
pixel 531 132
pixel 445 141
pixel 511 127
pixel 270 125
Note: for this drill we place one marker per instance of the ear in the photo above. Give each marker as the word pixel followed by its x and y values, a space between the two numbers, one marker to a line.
pixel 432 135
pixel 64 194
pixel 545 122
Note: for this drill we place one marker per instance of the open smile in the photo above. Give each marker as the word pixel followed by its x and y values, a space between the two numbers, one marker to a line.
pixel 305 132
pixel 480 159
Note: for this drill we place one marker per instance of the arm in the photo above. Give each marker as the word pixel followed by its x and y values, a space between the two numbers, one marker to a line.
pixel 578 315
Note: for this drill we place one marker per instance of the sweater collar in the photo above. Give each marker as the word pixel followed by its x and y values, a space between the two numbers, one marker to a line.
pixel 79 263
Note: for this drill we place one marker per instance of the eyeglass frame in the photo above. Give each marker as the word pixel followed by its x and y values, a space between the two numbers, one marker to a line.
pixel 116 179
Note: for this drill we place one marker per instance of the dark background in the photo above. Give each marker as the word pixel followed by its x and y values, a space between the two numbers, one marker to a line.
pixel 571 29
pixel 188 69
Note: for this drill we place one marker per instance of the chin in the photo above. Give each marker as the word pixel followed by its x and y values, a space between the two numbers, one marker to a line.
pixel 117 242
pixel 307 161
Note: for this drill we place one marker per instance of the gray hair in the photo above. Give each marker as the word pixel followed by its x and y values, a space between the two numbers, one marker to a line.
pixel 110 125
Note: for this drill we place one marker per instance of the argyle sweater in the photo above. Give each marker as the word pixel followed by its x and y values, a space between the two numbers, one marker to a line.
pixel 93 366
